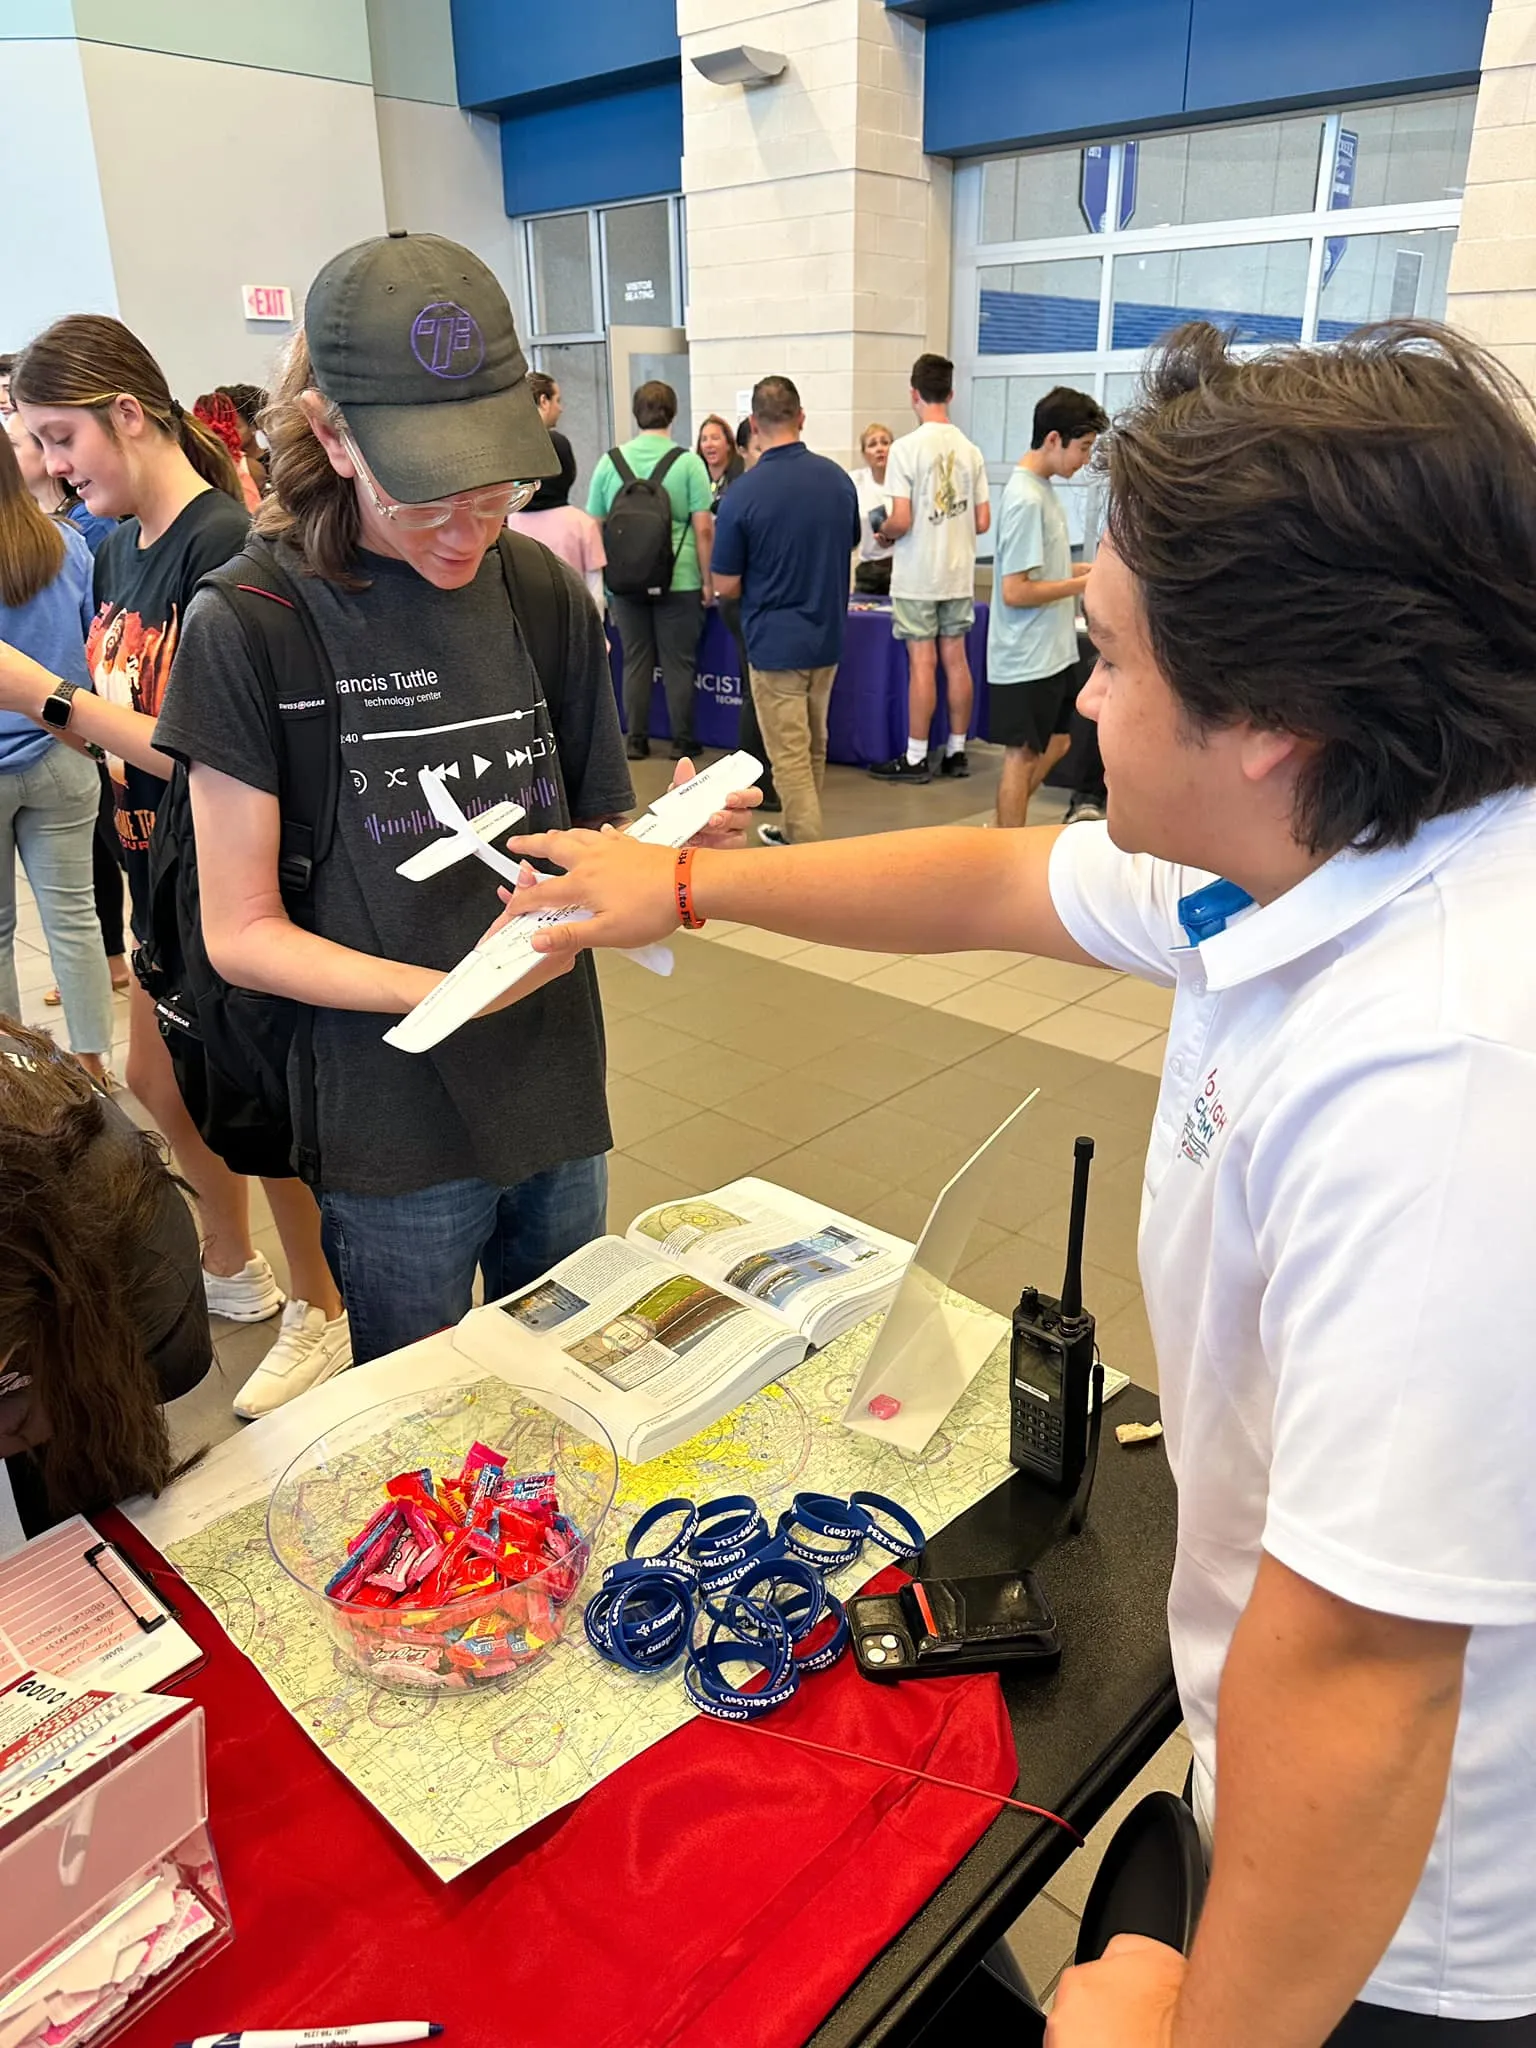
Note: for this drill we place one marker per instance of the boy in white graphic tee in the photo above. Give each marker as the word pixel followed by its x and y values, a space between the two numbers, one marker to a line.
pixel 939 504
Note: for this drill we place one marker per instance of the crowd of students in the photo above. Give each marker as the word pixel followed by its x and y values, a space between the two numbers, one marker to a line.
pixel 1315 700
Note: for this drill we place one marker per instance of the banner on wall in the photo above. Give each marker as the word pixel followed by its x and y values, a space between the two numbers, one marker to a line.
pixel 1093 194
pixel 1341 195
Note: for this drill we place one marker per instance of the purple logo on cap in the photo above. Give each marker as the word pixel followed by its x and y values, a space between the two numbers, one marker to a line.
pixel 446 340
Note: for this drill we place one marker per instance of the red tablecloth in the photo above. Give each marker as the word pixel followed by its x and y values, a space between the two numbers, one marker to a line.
pixel 723 1887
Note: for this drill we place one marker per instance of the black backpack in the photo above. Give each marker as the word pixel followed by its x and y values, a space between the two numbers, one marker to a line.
pixel 232 1047
pixel 637 534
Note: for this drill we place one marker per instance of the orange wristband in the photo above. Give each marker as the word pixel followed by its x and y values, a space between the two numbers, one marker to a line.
pixel 682 886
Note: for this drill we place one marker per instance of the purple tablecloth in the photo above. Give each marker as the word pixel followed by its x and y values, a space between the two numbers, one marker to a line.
pixel 867 719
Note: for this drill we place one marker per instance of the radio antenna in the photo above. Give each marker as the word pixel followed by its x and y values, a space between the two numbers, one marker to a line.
pixel 1072 1283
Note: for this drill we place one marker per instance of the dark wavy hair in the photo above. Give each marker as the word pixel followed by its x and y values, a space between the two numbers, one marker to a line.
pixel 1341 543
pixel 71 1212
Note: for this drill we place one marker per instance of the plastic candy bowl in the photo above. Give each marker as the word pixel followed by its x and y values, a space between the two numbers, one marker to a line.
pixel 330 1491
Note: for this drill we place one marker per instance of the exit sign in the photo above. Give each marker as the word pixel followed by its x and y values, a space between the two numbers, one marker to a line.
pixel 267 302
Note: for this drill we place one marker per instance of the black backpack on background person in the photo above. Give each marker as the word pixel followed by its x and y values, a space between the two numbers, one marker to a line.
pixel 231 1047
pixel 637 534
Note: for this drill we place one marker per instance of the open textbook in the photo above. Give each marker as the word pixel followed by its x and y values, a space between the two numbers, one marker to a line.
pixel 701 1302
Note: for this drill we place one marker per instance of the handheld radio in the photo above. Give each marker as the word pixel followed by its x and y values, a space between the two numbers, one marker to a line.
pixel 1055 1389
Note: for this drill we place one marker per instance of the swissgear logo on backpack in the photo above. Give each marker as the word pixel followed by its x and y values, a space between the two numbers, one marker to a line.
pixel 293 705
pixel 637 534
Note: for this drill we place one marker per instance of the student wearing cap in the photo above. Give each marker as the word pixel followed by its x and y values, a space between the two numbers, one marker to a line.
pixel 402 435
pixel 1324 844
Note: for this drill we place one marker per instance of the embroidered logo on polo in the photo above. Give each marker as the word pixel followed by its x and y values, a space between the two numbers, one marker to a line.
pixel 446 340
pixel 1206 1121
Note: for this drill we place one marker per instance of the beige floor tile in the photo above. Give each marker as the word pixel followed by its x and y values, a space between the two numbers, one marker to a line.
pixel 1143 1001
pixel 717 928
pixel 708 1150
pixel 982 966
pixel 1049 1127
pixel 1148 1058
pixel 1063 979
pixel 870 1069
pixel 843 963
pixel 34 970
pixel 636 1042
pixel 1008 1009
pixel 1126 1341
pixel 948 1040
pixel 637 1110
pixel 1113 1091
pixel 915 981
pixel 903 1212
pixel 779 1104
pixel 968 1104
pixel 895 1149
pixel 1025 1064
pixel 997 1274
pixel 1114 1218
pixel 1041 1941
pixel 633 1186
pixel 1069 1888
pixel 1090 1031
pixel 766 945
pixel 822 1179
pixel 708 1076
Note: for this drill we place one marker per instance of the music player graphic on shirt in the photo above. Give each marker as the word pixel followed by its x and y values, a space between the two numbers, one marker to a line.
pixel 506 755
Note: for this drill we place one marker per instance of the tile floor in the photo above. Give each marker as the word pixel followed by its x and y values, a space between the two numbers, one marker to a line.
pixel 863 1079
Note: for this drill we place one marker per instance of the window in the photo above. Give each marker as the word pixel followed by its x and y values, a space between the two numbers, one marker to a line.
pixel 561 250
pixel 1032 308
pixel 1223 174
pixel 611 266
pixel 1070 263
pixel 637 262
pixel 1383 277
pixel 1257 292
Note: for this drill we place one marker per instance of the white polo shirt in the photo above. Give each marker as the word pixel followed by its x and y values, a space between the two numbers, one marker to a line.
pixel 1338 1254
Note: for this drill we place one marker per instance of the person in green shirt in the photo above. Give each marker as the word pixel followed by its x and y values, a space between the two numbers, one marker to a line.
pixel 662 632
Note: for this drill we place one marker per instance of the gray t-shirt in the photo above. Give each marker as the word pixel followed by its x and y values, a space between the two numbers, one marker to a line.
pixel 430 678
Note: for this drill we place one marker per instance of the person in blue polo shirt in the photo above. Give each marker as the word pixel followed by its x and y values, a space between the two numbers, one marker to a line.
pixel 782 539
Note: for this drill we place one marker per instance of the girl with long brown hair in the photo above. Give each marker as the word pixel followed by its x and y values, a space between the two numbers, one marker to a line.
pixel 48 792
pixel 102 1317
pixel 103 413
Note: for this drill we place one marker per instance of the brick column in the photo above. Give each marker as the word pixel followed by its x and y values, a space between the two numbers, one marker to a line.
pixel 1493 269
pixel 818 232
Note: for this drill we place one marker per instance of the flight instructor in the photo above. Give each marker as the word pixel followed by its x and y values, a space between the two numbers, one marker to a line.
pixel 1316 700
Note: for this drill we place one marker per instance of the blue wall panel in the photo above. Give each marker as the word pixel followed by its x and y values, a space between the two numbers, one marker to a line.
pixel 507 49
pixel 1058 67
pixel 1317 49
pixel 1023 73
pixel 586 152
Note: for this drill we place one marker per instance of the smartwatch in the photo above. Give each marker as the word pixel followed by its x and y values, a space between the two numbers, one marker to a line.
pixel 56 709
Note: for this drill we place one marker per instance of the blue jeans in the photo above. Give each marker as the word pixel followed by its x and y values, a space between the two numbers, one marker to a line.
pixel 405 1264
pixel 48 816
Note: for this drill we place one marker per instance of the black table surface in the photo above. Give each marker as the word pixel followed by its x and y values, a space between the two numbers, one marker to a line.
pixel 1082 1732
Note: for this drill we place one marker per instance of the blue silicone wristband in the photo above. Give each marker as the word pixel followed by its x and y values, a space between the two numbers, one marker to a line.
pixel 724 1702
pixel 906 1540
pixel 664 1510
pixel 727 1524
pixel 828 1515
pixel 825 1655
pixel 825 1553
pixel 807 1600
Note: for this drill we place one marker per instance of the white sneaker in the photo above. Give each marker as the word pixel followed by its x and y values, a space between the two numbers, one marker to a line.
pixel 308 1351
pixel 249 1296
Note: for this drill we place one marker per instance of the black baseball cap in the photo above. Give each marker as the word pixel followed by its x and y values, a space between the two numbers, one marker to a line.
pixel 412 337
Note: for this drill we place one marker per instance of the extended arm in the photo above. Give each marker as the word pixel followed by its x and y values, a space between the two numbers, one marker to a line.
pixel 912 892
pixel 897 521
pixel 1336 1731
pixel 704 536
pixel 25 686
pixel 251 939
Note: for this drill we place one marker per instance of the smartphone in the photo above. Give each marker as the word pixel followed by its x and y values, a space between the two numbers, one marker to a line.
pixel 935 1628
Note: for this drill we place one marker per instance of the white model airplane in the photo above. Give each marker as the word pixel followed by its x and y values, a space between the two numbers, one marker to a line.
pixel 502 960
